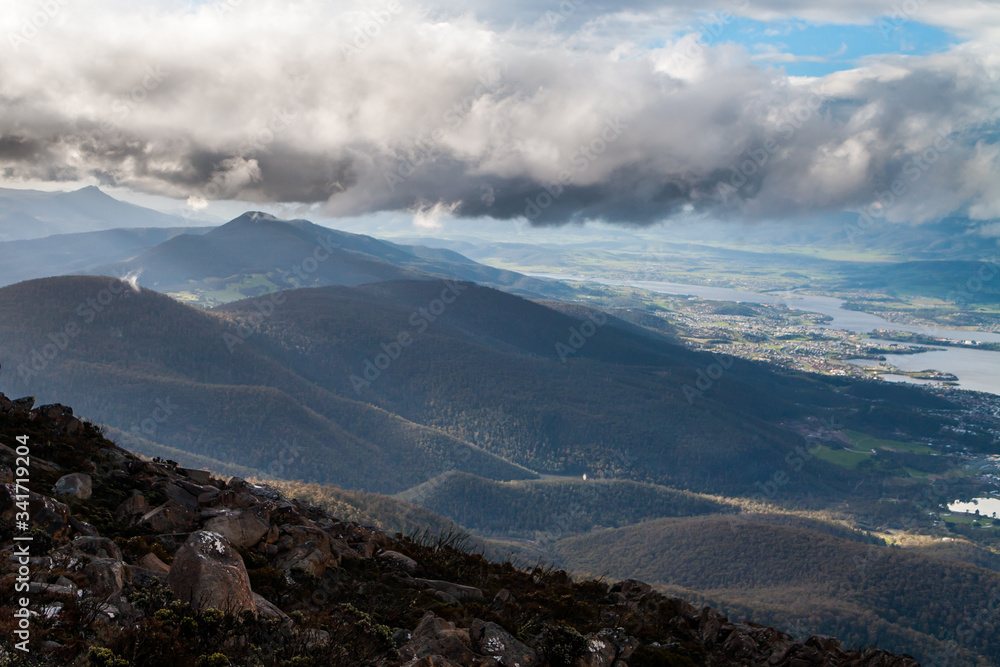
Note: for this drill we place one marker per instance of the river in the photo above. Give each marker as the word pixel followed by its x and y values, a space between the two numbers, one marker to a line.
pixel 978 370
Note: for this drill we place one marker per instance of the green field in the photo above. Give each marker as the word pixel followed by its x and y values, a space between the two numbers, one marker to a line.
pixel 201 294
pixel 865 441
pixel 919 475
pixel 968 519
pixel 842 457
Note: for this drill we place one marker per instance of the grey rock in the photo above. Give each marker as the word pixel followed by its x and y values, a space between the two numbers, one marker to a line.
pixel 76 485
pixel 83 528
pixel 201 477
pixel 100 547
pixel 105 576
pixel 169 517
pixel 241 528
pixel 456 591
pixel 132 508
pixel 267 610
pixel 435 636
pixel 399 561
pixel 490 639
pixel 207 572
pixel 152 563
pixel 176 493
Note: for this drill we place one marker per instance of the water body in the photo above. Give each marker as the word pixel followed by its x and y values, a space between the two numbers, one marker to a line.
pixel 978 370
pixel 988 507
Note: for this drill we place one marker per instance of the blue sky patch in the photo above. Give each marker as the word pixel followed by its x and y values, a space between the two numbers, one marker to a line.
pixel 808 49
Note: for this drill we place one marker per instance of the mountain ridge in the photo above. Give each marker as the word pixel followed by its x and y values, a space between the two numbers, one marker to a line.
pixel 32 214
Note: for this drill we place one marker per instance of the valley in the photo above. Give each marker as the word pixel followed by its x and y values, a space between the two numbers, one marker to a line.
pixel 607 426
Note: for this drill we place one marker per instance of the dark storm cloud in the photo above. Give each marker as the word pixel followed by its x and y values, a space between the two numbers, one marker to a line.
pixel 506 111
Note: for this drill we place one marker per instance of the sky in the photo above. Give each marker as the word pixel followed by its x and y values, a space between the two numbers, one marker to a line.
pixel 629 113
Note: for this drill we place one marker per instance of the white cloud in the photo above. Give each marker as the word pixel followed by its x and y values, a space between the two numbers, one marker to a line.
pixel 484 108
pixel 428 217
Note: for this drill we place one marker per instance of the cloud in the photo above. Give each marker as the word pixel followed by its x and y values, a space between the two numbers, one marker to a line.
pixel 768 53
pixel 494 110
pixel 429 216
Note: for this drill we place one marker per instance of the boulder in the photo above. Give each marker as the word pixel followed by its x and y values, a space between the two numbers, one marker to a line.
pixel 265 609
pixel 263 491
pixel 59 417
pixel 83 528
pixel 241 528
pixel 208 496
pixel 170 517
pixel 307 558
pixel 53 411
pixel 291 537
pixel 710 625
pixel 116 458
pixel 24 404
pixel 208 572
pixel 132 508
pixel 176 493
pixel 51 516
pixel 105 576
pixel 740 646
pixel 201 477
pixel 398 561
pixel 457 591
pixel 57 590
pixel 364 549
pixel 100 547
pixel 231 499
pixel 608 648
pixel 491 640
pixel 75 485
pixel 437 637
pixel 72 426
pixel 825 644
pixel 194 489
pixel 152 563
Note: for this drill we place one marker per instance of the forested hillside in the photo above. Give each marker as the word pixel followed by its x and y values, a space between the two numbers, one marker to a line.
pixel 162 371
pixel 860 592
pixel 287 383
pixel 550 509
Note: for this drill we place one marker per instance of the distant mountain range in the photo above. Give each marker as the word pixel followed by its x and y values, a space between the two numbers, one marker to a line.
pixel 32 214
pixel 257 253
pixel 839 238
pixel 78 253
pixel 253 254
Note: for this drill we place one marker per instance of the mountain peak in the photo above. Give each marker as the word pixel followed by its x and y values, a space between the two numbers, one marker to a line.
pixel 252 222
pixel 91 192
pixel 255 217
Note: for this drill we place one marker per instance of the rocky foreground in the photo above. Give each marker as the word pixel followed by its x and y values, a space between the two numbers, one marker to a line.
pixel 135 562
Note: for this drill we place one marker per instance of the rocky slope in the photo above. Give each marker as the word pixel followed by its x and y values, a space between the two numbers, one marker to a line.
pixel 135 562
